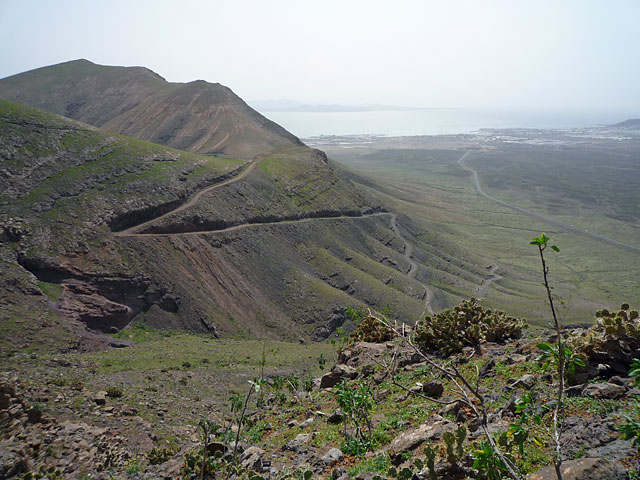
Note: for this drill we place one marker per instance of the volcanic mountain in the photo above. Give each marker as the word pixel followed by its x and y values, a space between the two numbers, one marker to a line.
pixel 99 229
pixel 198 116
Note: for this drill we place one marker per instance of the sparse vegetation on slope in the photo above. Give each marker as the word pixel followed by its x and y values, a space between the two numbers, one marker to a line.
pixel 196 116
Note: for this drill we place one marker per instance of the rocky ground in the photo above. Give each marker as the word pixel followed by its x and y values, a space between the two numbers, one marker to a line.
pixel 53 414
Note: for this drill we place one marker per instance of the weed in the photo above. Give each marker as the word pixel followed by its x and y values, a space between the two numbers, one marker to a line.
pixel 356 401
pixel 488 463
pixel 542 242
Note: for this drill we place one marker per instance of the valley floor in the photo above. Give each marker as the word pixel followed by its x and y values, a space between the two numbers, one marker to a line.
pixel 488 194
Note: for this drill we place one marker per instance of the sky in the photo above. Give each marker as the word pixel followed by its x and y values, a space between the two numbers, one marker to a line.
pixel 553 54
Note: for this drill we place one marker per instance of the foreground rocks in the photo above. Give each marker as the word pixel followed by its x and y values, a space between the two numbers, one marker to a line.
pixel 304 430
pixel 431 430
pixel 604 390
pixel 31 439
pixel 337 375
pixel 584 469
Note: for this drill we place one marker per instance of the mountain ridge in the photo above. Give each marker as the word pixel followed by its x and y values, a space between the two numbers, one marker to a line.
pixel 310 245
pixel 195 116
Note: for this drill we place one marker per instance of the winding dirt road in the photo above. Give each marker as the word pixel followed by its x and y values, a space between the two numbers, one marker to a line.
pixel 242 226
pixel 408 246
pixel 491 277
pixel 567 226
pixel 413 265
pixel 131 231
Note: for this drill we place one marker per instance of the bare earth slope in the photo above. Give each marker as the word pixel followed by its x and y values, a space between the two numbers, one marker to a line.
pixel 272 248
pixel 197 116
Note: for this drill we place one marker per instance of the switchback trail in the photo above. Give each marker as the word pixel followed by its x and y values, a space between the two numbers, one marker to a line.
pixel 567 226
pixel 408 246
pixel 242 226
pixel 492 276
pixel 131 231
pixel 413 265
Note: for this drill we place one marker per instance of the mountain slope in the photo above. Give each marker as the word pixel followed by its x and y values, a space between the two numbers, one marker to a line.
pixel 272 248
pixel 198 116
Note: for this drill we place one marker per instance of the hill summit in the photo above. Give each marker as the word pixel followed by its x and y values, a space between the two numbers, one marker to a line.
pixel 198 116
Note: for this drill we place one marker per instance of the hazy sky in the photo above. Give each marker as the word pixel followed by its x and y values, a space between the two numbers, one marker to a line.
pixel 512 54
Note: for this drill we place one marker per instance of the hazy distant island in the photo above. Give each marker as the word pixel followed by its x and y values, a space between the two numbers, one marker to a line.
pixel 630 123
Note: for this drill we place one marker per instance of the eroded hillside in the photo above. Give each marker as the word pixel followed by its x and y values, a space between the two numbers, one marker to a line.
pixel 197 116
pixel 101 229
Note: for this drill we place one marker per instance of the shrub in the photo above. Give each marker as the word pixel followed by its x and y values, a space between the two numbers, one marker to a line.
pixel 467 324
pixel 370 329
pixel 620 324
pixel 614 338
pixel 114 392
pixel 157 456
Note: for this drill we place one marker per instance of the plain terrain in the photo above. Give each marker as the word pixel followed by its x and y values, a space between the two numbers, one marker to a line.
pixel 585 178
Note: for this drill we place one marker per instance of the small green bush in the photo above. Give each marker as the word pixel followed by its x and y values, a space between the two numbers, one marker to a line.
pixel 467 324
pixel 115 392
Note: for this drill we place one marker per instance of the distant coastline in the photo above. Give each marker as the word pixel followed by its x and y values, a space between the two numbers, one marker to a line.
pixel 434 121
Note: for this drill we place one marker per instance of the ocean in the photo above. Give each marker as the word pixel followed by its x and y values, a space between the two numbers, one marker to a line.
pixel 438 121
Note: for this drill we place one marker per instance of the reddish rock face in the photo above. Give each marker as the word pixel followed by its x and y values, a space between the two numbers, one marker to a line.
pixel 81 301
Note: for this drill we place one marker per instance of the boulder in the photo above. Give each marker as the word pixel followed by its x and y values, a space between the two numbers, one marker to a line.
pixel 298 444
pixel 623 382
pixel 409 358
pixel 340 473
pixel 337 374
pixel 583 469
pixel 617 450
pixel 574 390
pixel 431 430
pixel 527 381
pixel 582 434
pixel 11 464
pixel 603 390
pixel 433 389
pixel 332 457
pixel 307 422
pixel 100 398
pixel 362 353
pixel 251 459
pixel 336 417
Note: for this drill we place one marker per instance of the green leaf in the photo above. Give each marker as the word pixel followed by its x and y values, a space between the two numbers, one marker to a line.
pixel 545 347
pixel 554 248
